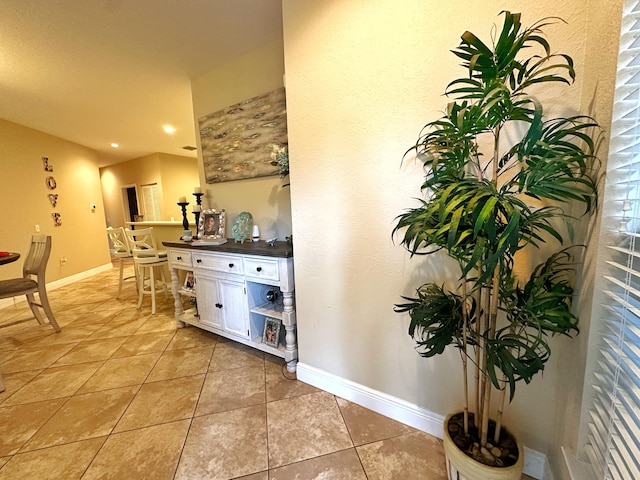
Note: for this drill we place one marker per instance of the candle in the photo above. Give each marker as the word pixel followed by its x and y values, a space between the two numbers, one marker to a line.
pixel 197 190
pixel 197 208
pixel 182 199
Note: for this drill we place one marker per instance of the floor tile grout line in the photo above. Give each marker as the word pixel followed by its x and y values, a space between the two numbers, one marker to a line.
pixel 195 409
pixel 207 373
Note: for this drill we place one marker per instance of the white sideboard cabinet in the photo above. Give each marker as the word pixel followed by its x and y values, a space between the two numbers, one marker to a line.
pixel 238 286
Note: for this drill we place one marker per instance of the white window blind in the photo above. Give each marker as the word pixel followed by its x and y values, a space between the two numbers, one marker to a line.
pixel 613 443
pixel 151 202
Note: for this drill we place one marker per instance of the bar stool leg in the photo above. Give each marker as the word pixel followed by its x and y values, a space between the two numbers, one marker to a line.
pixel 153 290
pixel 121 277
pixel 140 285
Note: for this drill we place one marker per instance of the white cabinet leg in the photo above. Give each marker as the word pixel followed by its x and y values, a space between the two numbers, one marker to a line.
pixel 177 298
pixel 289 322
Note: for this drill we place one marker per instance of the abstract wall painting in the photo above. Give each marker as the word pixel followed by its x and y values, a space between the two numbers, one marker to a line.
pixel 237 141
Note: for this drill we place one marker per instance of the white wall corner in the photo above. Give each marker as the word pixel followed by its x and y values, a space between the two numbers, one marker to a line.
pixel 578 470
pixel 535 463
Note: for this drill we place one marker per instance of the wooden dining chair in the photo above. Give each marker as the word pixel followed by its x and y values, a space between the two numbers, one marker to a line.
pixel 33 280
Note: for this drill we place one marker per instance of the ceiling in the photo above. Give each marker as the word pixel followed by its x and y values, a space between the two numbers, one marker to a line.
pixel 97 72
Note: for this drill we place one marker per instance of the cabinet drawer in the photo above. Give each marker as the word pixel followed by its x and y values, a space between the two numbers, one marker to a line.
pixel 218 263
pixel 180 258
pixel 261 268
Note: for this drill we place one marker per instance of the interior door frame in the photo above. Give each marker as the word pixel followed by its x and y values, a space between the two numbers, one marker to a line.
pixel 126 211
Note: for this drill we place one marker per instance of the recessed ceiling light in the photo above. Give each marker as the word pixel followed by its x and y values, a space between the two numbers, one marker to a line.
pixel 170 129
pixel 115 145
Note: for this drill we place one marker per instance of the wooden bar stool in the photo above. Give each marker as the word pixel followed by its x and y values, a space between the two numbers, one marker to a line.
pixel 146 259
pixel 122 251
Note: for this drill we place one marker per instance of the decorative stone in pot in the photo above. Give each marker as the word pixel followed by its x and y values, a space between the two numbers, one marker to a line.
pixel 242 227
pixel 460 466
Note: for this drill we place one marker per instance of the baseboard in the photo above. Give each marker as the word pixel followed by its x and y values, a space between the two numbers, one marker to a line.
pixel 577 469
pixel 536 465
pixel 399 410
pixel 63 282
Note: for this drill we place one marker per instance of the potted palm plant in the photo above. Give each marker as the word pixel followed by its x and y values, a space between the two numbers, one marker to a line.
pixel 500 177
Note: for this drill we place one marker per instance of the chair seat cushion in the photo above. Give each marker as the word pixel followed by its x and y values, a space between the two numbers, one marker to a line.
pixel 152 253
pixel 150 260
pixel 17 286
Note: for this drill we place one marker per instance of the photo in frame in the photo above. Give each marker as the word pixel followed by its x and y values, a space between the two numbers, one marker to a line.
pixel 271 333
pixel 212 225
pixel 189 281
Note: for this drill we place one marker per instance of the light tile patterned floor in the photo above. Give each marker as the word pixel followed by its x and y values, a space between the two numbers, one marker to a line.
pixel 122 394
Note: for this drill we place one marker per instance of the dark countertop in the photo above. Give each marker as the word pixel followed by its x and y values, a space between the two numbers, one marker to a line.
pixel 280 249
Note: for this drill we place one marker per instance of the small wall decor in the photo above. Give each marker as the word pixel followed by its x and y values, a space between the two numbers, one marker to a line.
pixel 242 227
pixel 47 167
pixel 237 141
pixel 53 197
pixel 271 333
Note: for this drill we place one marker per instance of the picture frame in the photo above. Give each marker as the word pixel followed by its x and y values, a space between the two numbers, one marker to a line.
pixel 212 225
pixel 189 281
pixel 271 332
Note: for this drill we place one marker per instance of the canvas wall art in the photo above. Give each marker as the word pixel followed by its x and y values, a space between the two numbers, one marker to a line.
pixel 237 141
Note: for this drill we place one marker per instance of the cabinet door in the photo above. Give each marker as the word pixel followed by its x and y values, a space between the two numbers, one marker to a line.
pixel 234 307
pixel 208 301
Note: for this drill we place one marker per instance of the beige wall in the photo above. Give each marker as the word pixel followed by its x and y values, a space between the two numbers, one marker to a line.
pixel 179 177
pixel 81 238
pixel 254 73
pixel 362 78
pixel 175 175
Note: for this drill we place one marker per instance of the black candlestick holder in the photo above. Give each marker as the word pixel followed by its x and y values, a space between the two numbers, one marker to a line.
pixel 185 222
pixel 196 214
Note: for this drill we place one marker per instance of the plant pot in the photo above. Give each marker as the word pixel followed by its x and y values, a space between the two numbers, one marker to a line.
pixel 462 467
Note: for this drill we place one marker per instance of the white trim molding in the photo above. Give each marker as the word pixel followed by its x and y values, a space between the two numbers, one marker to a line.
pixel 400 410
pixel 578 470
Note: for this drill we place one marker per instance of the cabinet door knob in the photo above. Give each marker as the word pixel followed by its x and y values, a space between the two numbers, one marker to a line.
pixel 259 269
pixel 218 305
pixel 198 261
pixel 231 265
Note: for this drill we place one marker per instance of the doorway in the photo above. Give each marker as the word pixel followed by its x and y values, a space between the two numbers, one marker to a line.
pixel 130 201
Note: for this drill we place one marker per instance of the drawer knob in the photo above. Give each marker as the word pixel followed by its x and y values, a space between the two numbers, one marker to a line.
pixel 259 269
pixel 179 258
pixel 198 261
pixel 218 305
pixel 231 265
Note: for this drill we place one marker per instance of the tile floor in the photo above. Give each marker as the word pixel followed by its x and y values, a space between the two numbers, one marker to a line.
pixel 122 394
